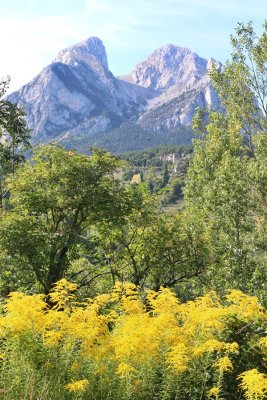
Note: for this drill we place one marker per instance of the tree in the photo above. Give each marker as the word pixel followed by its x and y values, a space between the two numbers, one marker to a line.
pixel 226 186
pixel 166 176
pixel 152 249
pixel 55 199
pixel 14 136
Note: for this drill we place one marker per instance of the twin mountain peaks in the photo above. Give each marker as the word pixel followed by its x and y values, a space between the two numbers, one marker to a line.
pixel 76 101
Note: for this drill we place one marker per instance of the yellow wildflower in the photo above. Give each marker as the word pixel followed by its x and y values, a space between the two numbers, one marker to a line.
pixel 128 289
pixel 52 338
pixel 131 305
pixel 124 370
pixel 113 316
pixel 62 293
pixel 213 392
pixel 163 302
pixel 23 313
pixel 248 307
pixel 209 346
pixel 224 364
pixel 137 337
pixel 254 384
pixel 232 347
pixel 77 386
pixel 263 343
pixel 178 357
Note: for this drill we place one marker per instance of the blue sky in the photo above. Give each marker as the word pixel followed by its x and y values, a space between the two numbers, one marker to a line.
pixel 33 31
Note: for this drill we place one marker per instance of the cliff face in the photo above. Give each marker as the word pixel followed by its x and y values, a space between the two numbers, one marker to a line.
pixel 76 97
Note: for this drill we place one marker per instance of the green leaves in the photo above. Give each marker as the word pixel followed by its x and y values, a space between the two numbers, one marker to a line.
pixel 55 199
pixel 226 182
pixel 13 133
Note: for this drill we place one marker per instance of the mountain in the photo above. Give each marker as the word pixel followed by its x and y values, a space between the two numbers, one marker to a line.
pixel 180 78
pixel 77 101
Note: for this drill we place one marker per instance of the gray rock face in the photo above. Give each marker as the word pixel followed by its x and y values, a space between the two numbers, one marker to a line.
pixel 77 92
pixel 180 82
pixel 168 66
pixel 84 51
pixel 77 97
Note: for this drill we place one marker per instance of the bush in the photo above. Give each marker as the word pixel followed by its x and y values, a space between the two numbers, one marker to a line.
pixel 128 345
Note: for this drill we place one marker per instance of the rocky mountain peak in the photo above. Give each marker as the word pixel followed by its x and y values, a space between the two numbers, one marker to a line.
pixel 167 66
pixel 77 101
pixel 169 52
pixel 84 51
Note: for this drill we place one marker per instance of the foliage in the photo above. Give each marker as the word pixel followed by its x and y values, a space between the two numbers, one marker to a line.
pixel 162 169
pixel 127 137
pixel 123 345
pixel 54 201
pixel 151 248
pixel 173 192
pixel 151 155
pixel 226 187
pixel 254 384
pixel 70 216
pixel 14 136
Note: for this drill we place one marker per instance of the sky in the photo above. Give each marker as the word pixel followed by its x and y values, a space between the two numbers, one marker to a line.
pixel 32 32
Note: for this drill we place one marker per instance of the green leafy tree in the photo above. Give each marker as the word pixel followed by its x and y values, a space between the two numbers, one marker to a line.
pixel 55 198
pixel 153 249
pixel 166 176
pixel 14 137
pixel 226 186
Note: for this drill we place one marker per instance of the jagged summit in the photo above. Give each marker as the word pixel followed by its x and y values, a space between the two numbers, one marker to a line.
pixel 77 101
pixel 167 66
pixel 83 51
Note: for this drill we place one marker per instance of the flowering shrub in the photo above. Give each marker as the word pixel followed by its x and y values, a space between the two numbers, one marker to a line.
pixel 132 345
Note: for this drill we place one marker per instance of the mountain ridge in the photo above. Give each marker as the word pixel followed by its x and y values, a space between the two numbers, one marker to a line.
pixel 77 96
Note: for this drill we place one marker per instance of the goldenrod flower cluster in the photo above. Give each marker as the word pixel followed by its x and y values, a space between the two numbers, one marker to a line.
pixel 254 384
pixel 77 386
pixel 213 392
pixel 130 345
